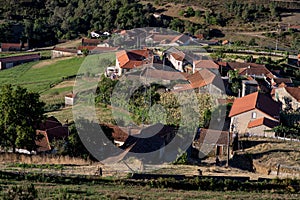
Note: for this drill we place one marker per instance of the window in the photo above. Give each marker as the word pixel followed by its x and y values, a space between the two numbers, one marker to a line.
pixel 253 115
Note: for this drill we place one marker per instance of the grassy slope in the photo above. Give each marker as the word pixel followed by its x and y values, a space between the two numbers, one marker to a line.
pixel 40 79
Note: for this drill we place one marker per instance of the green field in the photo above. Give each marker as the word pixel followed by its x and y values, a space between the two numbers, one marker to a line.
pixel 40 79
pixel 43 79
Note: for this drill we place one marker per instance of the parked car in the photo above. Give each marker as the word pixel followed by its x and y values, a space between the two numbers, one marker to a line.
pixel 110 71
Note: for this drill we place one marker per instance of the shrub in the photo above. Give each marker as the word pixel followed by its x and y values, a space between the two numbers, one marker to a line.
pixel 182 160
pixel 22 192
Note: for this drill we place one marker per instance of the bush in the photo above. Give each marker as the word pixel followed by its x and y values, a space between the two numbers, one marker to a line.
pixel 22 193
pixel 182 160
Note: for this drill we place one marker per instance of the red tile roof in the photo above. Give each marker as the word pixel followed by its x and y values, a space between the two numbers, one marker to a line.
pixel 294 92
pixel 65 50
pixel 20 58
pixel 163 75
pixel 70 95
pixel 258 101
pixel 283 80
pixel 53 128
pixel 225 42
pixel 206 64
pixel 10 45
pixel 263 121
pixel 199 36
pixel 294 27
pixel 160 37
pixel 197 80
pixel 90 41
pixel 133 58
pixel 178 55
pixel 201 78
pixel 86 47
pixel 42 143
pixel 250 69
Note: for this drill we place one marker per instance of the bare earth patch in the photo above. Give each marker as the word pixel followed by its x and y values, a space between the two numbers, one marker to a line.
pixel 291 18
pixel 65 84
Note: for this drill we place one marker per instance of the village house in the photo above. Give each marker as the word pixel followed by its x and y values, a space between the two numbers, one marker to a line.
pixel 275 82
pixel 95 49
pixel 181 61
pixel 203 81
pixel 5 47
pixel 127 60
pixel 205 64
pixel 286 95
pixel 69 99
pixel 89 42
pixel 151 74
pixel 141 141
pixel 255 114
pixel 211 142
pixel 151 139
pixel 168 40
pixel 251 69
pixel 58 52
pixel 249 86
pixel 11 61
pixel 49 130
pixel 177 60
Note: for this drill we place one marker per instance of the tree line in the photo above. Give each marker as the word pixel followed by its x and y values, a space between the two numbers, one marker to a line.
pixel 45 22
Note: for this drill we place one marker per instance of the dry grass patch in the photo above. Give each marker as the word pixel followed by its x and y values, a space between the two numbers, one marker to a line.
pixel 49 62
pixel 41 159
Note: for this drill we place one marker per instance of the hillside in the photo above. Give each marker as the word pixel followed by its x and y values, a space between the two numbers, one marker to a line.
pixel 237 20
pixel 45 22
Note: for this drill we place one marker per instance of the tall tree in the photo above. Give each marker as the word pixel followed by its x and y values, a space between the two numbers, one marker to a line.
pixel 20 112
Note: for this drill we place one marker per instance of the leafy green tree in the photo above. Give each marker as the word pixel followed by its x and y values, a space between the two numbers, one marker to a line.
pixel 190 12
pixel 20 112
pixel 198 13
pixel 105 89
pixel 177 25
pixel 75 147
pixel 235 81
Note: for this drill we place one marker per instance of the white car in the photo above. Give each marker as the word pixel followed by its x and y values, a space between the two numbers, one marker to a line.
pixel 110 71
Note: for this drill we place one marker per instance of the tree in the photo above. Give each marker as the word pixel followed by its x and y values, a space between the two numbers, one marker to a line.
pixel 235 81
pixel 177 25
pixel 105 89
pixel 190 12
pixel 75 147
pixel 20 112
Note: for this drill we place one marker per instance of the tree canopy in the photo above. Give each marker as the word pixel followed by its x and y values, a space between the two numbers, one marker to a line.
pixel 20 113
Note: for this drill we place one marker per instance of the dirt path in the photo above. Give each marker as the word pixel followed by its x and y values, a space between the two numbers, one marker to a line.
pixel 49 62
